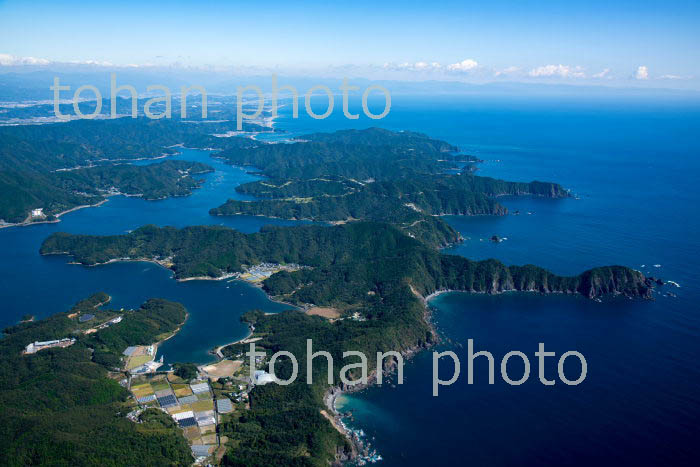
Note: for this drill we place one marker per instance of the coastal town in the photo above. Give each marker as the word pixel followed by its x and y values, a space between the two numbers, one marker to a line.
pixel 198 402
pixel 258 273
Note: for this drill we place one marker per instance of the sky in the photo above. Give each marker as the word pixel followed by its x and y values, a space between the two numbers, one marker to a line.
pixel 634 43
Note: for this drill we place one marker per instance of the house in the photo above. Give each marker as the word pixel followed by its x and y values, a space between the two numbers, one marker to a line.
pixel 38 212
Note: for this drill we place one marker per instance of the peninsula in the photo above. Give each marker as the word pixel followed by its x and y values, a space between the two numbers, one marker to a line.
pixel 403 178
pixel 66 404
pixel 373 273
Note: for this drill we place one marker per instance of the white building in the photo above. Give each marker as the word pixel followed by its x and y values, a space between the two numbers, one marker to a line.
pixel 37 346
pixel 263 377
pixel 38 212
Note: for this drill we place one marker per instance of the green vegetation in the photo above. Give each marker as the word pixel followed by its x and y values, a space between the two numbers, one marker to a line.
pixel 387 191
pixel 375 175
pixel 186 371
pixel 60 407
pixel 55 192
pixel 149 324
pixel 155 181
pixel 89 304
pixel 283 427
pixel 370 270
pixel 346 261
pixel 354 154
pixel 30 155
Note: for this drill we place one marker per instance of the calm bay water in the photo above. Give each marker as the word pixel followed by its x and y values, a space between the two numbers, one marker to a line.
pixel 633 167
pixel 38 285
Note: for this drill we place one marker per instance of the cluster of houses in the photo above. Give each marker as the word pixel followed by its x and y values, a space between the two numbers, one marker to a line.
pixel 262 271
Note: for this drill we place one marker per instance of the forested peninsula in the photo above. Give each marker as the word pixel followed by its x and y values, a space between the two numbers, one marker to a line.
pixel 372 259
pixel 403 178
pixel 55 168
pixel 372 272
pixel 65 406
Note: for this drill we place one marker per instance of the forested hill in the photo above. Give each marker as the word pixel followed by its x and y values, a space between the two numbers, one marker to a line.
pixel 30 155
pixel 374 174
pixel 358 154
pixel 346 261
pixel 55 192
pixel 372 273
pixel 59 405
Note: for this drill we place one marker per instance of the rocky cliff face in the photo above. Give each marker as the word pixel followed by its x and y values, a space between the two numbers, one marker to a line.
pixel 594 283
pixel 491 276
pixel 614 280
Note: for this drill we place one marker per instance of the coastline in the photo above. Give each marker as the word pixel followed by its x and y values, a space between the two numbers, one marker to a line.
pixel 170 336
pixel 217 350
pixel 58 216
pixel 164 155
pixel 361 449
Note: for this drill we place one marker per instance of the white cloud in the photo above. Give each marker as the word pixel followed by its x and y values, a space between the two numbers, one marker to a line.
pixel 642 72
pixel 418 66
pixel 12 60
pixel 507 71
pixel 9 60
pixel 463 66
pixel 673 77
pixel 603 74
pixel 91 62
pixel 563 71
pixel 459 67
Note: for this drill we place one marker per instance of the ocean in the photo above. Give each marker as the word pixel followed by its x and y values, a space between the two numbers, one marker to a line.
pixel 632 166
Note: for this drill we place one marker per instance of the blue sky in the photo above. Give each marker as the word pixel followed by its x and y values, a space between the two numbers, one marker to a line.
pixel 637 42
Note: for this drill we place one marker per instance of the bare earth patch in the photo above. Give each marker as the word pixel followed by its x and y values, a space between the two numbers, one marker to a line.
pixel 222 369
pixel 325 312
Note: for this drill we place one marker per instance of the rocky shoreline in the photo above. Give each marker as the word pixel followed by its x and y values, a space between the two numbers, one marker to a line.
pixel 359 449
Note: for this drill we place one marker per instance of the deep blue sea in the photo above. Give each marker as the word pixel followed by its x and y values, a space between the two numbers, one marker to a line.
pixel 633 166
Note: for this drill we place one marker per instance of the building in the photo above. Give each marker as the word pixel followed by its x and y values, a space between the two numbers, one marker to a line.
pixel 224 405
pixel 34 347
pixel 148 367
pixel 183 415
pixel 263 377
pixel 38 212
pixel 200 450
pixel 199 388
pixel 205 418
